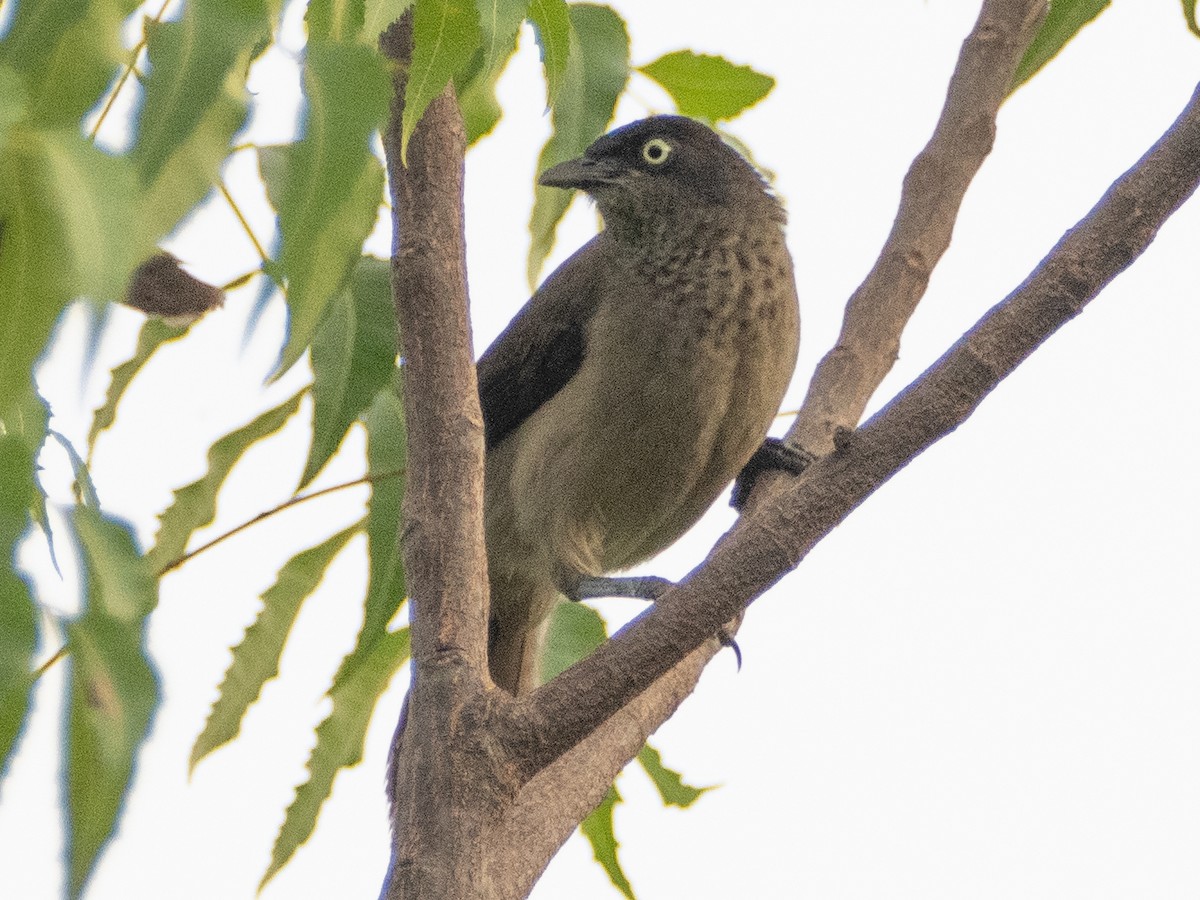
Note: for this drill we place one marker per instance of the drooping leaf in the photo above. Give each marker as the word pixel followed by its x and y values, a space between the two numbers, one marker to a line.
pixel 68 51
pixel 552 23
pixel 256 658
pixel 58 199
pixel 154 333
pixel 112 687
pixel 598 829
pixel 192 167
pixel 18 615
pixel 1063 21
pixel 445 38
pixel 379 14
pixel 574 632
pixel 329 189
pixel 353 356
pixel 598 68
pixel 670 784
pixel 190 60
pixel 708 87
pixel 340 739
pixel 195 504
pixel 340 21
pixel 1189 15
pixel 499 22
pixel 386 458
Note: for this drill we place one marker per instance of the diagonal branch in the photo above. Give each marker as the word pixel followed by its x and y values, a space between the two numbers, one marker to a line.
pixel 932 193
pixel 782 529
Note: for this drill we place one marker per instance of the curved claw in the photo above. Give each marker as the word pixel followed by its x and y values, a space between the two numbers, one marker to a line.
pixel 727 640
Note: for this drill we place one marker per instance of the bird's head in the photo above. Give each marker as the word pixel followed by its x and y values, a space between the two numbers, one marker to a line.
pixel 664 167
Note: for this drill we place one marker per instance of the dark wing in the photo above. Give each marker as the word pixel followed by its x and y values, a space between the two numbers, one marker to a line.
pixel 542 347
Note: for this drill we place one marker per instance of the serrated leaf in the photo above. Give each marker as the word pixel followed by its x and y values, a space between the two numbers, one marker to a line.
pixel 1189 16
pixel 112 688
pixel 670 784
pixel 68 51
pixel 379 14
pixel 154 333
pixel 445 37
pixel 551 20
pixel 340 739
pixel 18 615
pixel 334 20
pixel 195 504
pixel 331 186
pixel 387 448
pixel 353 356
pixel 574 632
pixel 708 87
pixel 598 829
pixel 190 60
pixel 58 198
pixel 1063 21
pixel 256 658
pixel 598 71
pixel 500 22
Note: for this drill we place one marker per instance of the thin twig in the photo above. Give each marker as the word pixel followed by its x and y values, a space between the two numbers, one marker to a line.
pixel 129 70
pixel 237 211
pixel 294 501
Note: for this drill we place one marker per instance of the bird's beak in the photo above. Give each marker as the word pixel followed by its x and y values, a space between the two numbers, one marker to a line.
pixel 584 173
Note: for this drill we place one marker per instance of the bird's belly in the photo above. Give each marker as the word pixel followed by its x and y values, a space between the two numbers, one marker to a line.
pixel 602 486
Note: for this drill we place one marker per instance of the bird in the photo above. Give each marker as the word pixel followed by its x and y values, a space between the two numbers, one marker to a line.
pixel 638 380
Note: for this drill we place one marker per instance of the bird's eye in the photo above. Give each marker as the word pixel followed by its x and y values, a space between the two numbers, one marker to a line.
pixel 655 151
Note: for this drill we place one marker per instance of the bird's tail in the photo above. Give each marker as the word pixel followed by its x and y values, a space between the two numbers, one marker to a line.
pixel 520 611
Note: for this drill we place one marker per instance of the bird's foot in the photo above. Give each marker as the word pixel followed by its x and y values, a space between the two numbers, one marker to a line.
pixel 773 454
pixel 640 587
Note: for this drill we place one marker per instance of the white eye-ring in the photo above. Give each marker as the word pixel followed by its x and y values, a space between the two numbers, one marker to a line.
pixel 655 151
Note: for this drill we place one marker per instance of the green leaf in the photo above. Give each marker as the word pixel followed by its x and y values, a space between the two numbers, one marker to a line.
pixel 445 37
pixel 500 21
pixel 330 187
pixel 13 100
pixel 1189 16
pixel 68 51
pixel 598 69
pixel 378 16
pixel 1062 22
pixel 353 356
pixel 708 87
pixel 387 447
pixel 190 60
pixel 574 632
pixel 195 504
pixel 193 166
pixel 340 739
pixel 18 615
pixel 154 333
pixel 598 829
pixel 552 22
pixel 112 688
pixel 58 199
pixel 670 783
pixel 256 658
pixel 334 20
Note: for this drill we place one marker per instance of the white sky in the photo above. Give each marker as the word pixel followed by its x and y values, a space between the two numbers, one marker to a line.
pixel 985 684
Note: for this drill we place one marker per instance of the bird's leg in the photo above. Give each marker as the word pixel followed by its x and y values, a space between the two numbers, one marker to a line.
pixel 640 587
pixel 773 454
